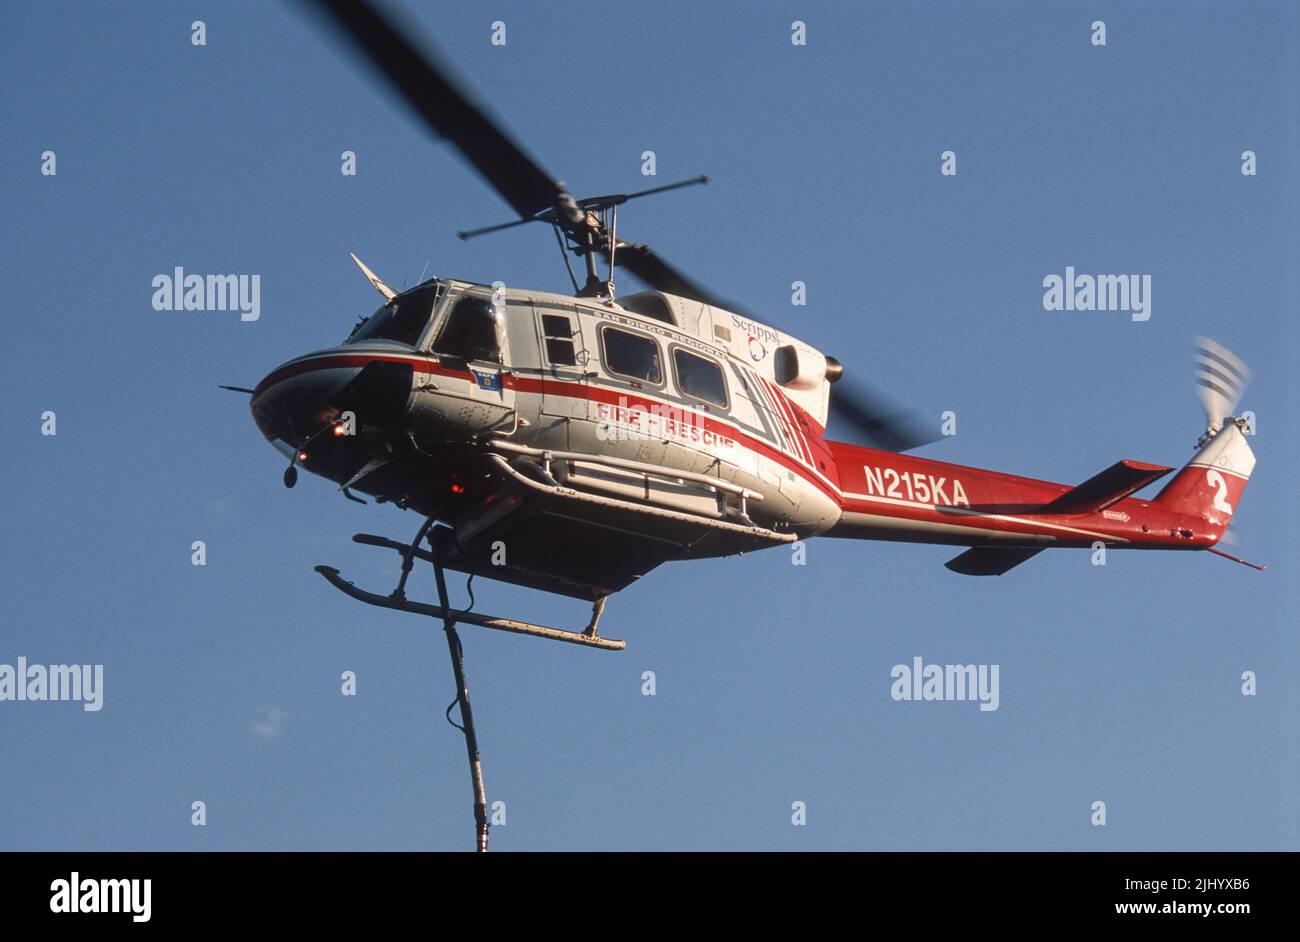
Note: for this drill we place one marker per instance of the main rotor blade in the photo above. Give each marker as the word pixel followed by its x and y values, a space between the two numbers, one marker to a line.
pixel 430 87
pixel 642 262
pixel 876 419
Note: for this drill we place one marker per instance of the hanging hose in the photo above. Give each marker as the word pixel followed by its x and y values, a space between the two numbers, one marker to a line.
pixel 437 541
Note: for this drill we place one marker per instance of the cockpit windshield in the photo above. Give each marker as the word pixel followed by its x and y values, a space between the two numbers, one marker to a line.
pixel 402 319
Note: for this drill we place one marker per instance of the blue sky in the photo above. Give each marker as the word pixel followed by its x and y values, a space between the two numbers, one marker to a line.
pixel 1118 683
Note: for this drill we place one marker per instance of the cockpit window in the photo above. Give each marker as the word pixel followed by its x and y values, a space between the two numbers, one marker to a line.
pixel 402 319
pixel 472 331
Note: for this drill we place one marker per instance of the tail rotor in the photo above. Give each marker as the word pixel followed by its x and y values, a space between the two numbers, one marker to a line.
pixel 1221 381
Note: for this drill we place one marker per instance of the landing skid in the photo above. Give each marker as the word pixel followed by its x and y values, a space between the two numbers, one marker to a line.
pixel 587 637
pixel 437 537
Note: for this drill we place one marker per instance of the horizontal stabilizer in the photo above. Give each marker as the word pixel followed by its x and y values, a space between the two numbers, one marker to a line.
pixel 991 560
pixel 1100 491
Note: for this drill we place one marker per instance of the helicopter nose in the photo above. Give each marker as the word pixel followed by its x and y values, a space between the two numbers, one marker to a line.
pixel 300 399
pixel 294 401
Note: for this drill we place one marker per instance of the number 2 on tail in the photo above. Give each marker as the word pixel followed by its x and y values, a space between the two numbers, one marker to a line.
pixel 1216 481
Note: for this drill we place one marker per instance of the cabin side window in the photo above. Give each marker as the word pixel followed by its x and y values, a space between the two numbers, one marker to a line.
pixel 699 377
pixel 472 331
pixel 557 331
pixel 634 356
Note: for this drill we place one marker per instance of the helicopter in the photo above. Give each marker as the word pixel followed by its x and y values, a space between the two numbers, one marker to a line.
pixel 572 443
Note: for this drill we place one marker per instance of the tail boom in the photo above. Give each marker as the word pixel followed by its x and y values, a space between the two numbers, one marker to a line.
pixel 888 496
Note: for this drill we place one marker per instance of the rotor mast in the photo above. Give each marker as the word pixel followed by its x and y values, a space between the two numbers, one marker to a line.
pixel 587 228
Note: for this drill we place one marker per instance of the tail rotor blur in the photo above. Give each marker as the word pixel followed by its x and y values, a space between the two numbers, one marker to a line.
pixel 1221 381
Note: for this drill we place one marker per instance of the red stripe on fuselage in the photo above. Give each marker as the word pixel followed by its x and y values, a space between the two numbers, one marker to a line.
pixel 782 416
pixel 334 361
pixel 792 421
pixel 553 387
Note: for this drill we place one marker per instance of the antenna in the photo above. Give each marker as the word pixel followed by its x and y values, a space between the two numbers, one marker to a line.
pixel 374 279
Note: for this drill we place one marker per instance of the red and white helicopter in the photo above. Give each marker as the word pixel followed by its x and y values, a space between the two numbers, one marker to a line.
pixel 573 443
